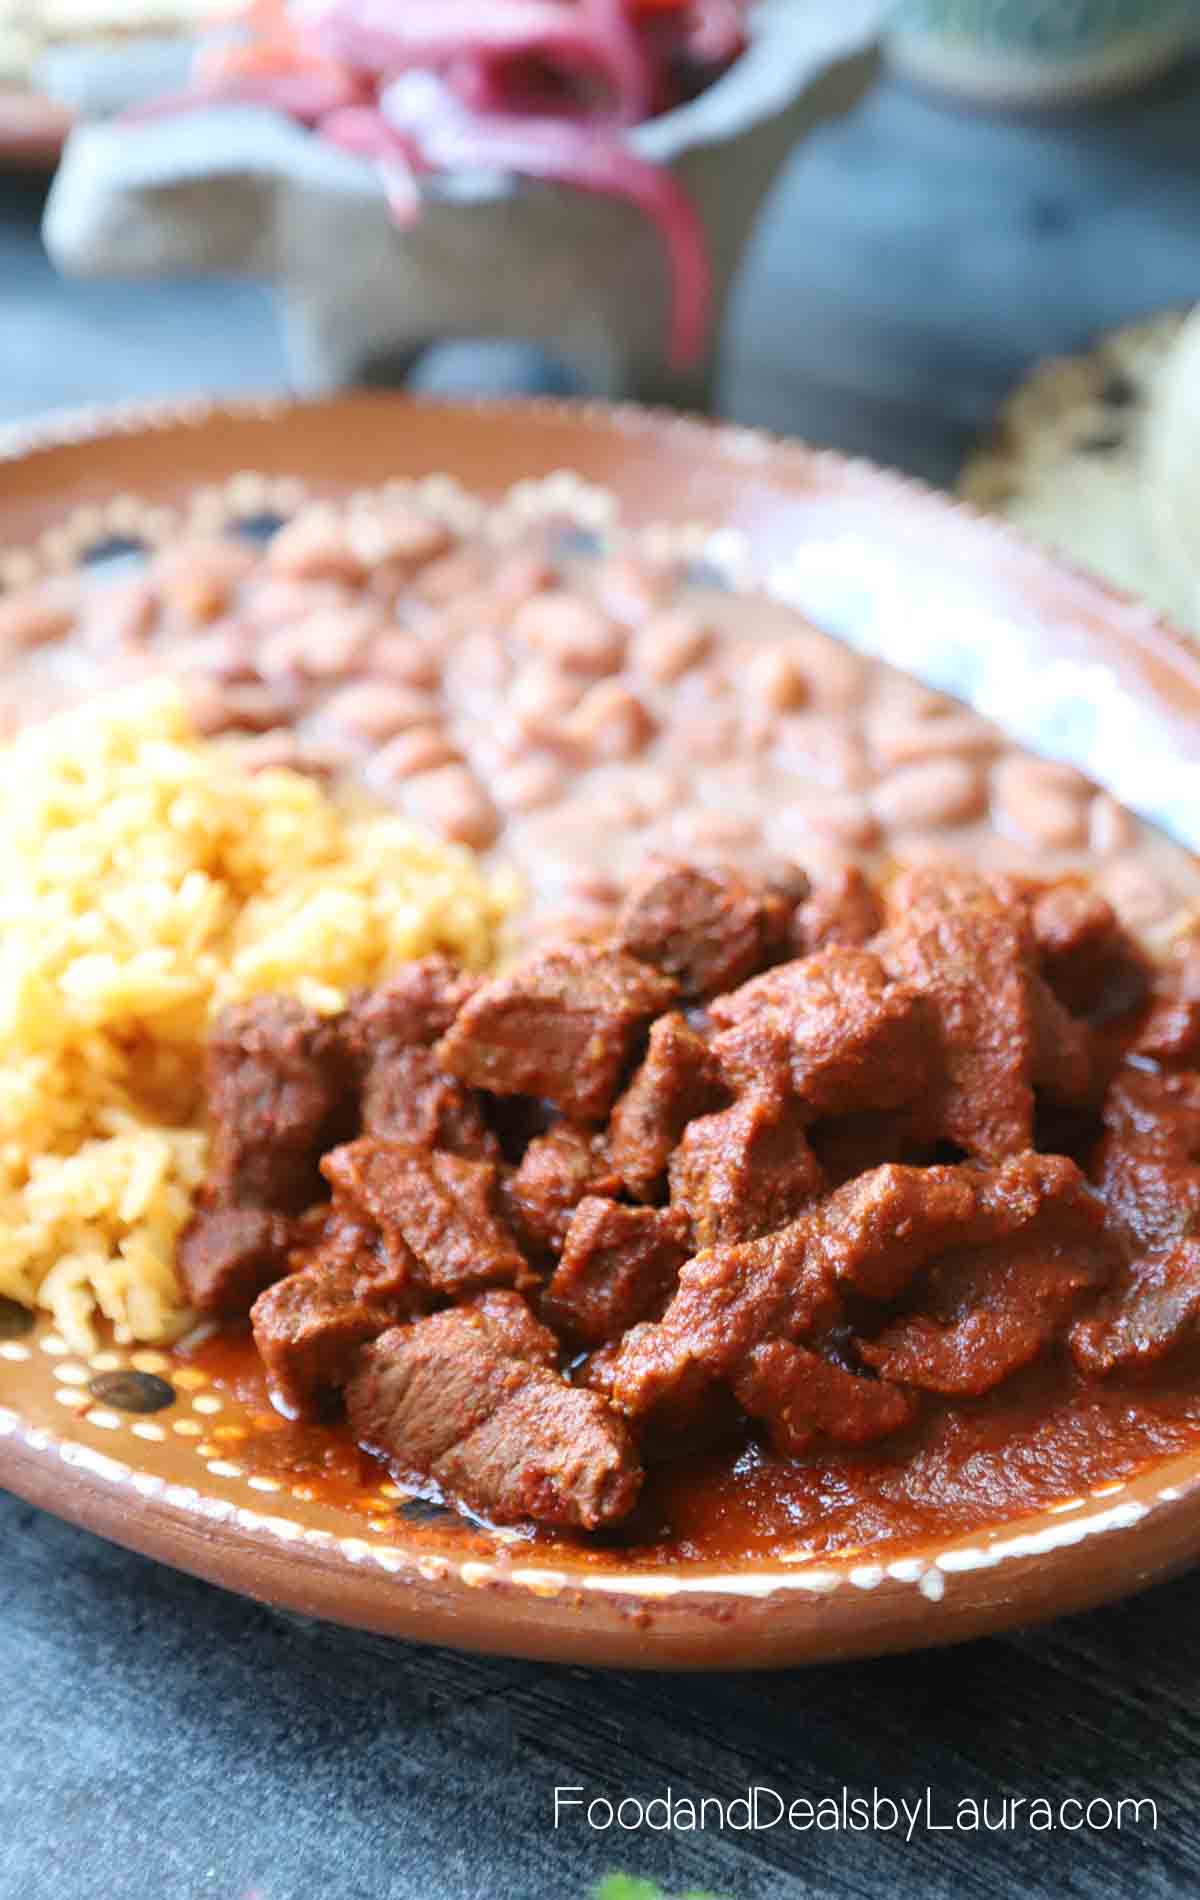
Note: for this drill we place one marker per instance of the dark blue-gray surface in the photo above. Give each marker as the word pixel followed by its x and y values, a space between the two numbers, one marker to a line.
pixel 166 1742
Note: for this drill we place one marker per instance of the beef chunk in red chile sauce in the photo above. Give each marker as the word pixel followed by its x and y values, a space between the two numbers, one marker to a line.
pixel 678 1080
pixel 556 1171
pixel 990 1311
pixel 389 1034
pixel 832 1029
pixel 1092 965
pixel 745 1171
pixel 449 1398
pixel 1148 1164
pixel 277 1087
pixel 803 1397
pixel 618 1265
pixel 309 1327
pixel 707 927
pixel 439 1208
pixel 563 1024
pixel 842 909
pixel 1155 1312
pixel 1171 1031
pixel 407 1096
pixel 411 1010
pixel 229 1254
pixel 870 1238
pixel 999 1029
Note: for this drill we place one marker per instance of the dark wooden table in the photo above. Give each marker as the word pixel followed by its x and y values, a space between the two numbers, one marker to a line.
pixel 164 1741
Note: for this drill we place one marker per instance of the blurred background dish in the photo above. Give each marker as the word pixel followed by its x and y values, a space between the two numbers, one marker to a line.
pixel 1038 52
pixel 1094 454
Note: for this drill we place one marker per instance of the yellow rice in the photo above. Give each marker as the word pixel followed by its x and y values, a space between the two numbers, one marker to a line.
pixel 145 882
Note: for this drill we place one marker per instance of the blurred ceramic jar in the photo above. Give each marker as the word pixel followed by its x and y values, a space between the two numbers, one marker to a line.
pixel 1039 52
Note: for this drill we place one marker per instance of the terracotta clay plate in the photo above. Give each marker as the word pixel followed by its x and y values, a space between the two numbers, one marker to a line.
pixel 143 1446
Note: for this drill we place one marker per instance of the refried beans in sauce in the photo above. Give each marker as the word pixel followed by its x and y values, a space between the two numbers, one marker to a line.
pixel 825 1164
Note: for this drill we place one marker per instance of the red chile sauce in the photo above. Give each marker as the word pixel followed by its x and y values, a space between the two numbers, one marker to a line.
pixel 1044 1437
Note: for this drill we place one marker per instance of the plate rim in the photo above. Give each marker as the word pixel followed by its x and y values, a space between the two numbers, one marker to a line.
pixel 736 1619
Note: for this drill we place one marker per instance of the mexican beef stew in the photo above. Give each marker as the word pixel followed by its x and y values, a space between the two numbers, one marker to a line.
pixel 768 1167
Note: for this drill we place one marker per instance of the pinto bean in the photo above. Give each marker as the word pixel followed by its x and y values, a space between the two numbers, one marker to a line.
pixel 669 644
pixel 776 678
pixel 376 710
pixel 709 735
pixel 631 588
pixel 831 752
pixel 36 615
pixel 520 577
pixel 1110 827
pixel 1141 896
pixel 420 749
pixel 944 736
pixel 940 792
pixel 837 676
pixel 478 668
pixel 281 749
pixel 120 615
pixel 330 644
pixel 197 580
pixel 530 783
pixel 274 601
pixel 444 579
pixel 223 653
pixel 845 818
pixel 610 722
pixel 575 633
pixel 703 828
pixel 216 706
pixel 1041 800
pixel 316 547
pixel 453 802
pixel 398 538
pixel 540 699
pixel 402 657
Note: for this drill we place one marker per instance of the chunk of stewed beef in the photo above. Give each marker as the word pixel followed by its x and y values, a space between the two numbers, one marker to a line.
pixel 309 1327
pixel 1089 960
pixel 1148 1163
pixel 679 1079
pixel 1170 1033
pixel 405 1095
pixel 442 1210
pixel 411 1010
pixel 745 1171
pixel 619 1264
pixel 563 1024
pixel 229 1254
pixel 831 1029
pixel 278 1089
pixel 708 927
pixel 870 1238
pixel 841 909
pixel 986 1312
pixel 998 1027
pixel 802 1397
pixel 447 1398
pixel 1153 1313
pixel 556 1171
